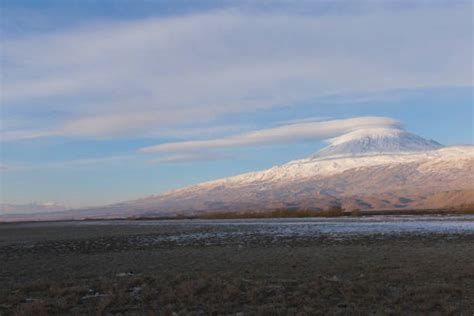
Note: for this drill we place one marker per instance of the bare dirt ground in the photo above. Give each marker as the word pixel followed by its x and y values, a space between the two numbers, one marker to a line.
pixel 125 268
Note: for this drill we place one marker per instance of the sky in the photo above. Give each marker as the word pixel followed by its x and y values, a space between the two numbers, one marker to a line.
pixel 105 101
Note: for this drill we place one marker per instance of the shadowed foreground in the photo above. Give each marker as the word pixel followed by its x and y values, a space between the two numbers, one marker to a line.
pixel 127 269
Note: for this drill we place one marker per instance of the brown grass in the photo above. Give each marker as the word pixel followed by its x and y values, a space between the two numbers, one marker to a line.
pixel 467 209
pixel 68 265
pixel 280 213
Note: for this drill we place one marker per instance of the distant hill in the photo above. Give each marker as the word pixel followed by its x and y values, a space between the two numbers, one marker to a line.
pixel 6 208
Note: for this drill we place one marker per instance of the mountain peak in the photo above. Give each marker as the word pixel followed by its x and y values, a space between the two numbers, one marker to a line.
pixel 376 141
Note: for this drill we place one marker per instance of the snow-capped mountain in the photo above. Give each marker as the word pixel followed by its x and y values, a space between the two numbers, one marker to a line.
pixel 377 141
pixel 366 169
pixel 405 179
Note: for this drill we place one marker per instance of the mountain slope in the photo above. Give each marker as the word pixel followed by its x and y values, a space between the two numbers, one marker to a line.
pixel 373 182
pixel 366 169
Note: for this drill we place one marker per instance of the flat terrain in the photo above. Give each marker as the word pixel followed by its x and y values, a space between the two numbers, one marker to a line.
pixel 344 266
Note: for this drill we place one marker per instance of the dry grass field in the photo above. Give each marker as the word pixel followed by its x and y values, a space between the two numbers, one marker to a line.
pixel 125 269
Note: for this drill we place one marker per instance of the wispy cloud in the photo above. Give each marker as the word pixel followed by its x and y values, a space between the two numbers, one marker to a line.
pixel 284 134
pixel 134 78
pixel 192 157
pixel 304 120
pixel 186 132
pixel 3 167
pixel 25 134
pixel 67 163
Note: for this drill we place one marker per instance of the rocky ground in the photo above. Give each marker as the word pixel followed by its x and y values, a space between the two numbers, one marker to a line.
pixel 235 269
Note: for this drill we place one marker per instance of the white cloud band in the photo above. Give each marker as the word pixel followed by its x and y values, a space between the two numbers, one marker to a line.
pixel 283 134
pixel 128 79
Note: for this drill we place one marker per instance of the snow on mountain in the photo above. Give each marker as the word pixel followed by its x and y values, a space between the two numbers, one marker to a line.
pixel 369 169
pixel 366 169
pixel 315 168
pixel 377 140
pixel 360 149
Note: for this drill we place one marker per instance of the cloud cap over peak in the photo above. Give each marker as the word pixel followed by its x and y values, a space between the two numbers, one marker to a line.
pixel 283 134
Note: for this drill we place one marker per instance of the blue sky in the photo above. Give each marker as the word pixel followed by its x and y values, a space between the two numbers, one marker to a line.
pixel 87 86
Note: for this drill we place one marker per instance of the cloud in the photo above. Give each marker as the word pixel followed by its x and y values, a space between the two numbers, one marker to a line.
pixel 182 158
pixel 177 132
pixel 67 163
pixel 25 134
pixel 284 134
pixel 133 78
pixel 304 120
pixel 183 132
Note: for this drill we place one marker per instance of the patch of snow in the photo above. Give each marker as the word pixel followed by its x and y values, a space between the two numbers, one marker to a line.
pixel 315 167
